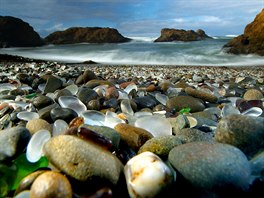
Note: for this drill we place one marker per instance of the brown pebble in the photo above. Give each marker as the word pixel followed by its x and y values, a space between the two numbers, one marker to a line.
pixel 51 184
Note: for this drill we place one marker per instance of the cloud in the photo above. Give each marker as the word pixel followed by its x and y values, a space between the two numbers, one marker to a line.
pixel 135 16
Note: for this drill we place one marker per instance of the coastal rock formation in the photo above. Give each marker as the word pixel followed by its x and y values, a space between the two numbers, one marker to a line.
pixel 87 34
pixel 252 41
pixel 168 35
pixel 14 32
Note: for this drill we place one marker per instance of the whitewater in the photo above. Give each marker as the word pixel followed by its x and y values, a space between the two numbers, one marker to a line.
pixel 142 51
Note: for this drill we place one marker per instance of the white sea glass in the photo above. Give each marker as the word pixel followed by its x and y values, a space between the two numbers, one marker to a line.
pixel 35 145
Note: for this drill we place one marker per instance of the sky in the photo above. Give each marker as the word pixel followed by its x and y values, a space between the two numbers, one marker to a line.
pixel 136 17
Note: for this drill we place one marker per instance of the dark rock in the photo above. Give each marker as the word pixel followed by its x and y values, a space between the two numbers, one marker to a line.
pixel 86 94
pixel 86 34
pixel 243 132
pixel 52 84
pixel 65 114
pixel 85 77
pixel 221 169
pixel 13 141
pixel 42 101
pixel 14 32
pixel 145 102
pixel 252 41
pixel 168 35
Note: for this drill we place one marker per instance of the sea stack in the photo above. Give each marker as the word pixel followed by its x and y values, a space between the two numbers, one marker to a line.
pixel 170 35
pixel 86 35
pixel 14 32
pixel 252 41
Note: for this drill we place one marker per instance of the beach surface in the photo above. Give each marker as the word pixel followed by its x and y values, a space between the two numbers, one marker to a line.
pixel 130 130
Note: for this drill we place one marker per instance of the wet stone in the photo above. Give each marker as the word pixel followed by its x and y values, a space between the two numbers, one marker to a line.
pixel 85 77
pixel 65 114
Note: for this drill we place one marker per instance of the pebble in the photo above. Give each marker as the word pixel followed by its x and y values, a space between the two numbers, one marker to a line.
pixel 180 102
pixel 244 132
pixel 37 124
pixel 147 175
pixel 51 184
pixel 133 136
pixel 76 157
pixel 13 141
pixel 212 167
pixel 158 98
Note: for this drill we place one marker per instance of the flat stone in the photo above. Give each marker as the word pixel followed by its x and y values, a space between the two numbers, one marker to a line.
pixel 65 114
pixel 193 135
pixel 42 101
pixel 86 94
pixel 253 94
pixel 81 159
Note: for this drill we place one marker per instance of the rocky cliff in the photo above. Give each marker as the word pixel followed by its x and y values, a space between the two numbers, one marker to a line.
pixel 252 41
pixel 15 32
pixel 87 34
pixel 168 35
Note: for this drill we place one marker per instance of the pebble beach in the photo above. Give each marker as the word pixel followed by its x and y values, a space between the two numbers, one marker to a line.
pixel 93 130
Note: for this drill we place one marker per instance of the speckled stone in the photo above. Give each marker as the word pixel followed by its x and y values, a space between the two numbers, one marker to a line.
pixel 193 135
pixel 244 132
pixel 81 159
pixel 134 137
pixel 51 184
pixel 36 124
pixel 180 102
pixel 161 146
pixel 216 167
pixel 253 94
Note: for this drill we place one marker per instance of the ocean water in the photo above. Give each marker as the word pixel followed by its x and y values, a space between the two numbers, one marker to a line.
pixel 142 50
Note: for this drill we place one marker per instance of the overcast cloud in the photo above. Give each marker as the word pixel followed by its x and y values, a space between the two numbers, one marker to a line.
pixel 135 17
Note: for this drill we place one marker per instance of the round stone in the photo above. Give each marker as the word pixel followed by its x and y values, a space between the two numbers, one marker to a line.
pixel 65 114
pixel 212 167
pixel 42 101
pixel 51 184
pixel 180 102
pixel 201 94
pixel 253 94
pixel 243 132
pixel 82 159
pixel 160 146
pixel 37 124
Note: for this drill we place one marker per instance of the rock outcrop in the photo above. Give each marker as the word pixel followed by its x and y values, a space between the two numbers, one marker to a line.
pixel 87 34
pixel 168 35
pixel 14 32
pixel 252 41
